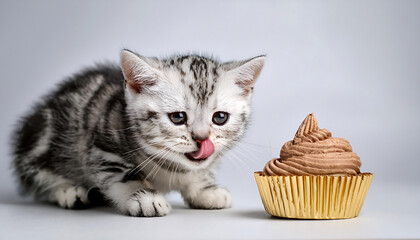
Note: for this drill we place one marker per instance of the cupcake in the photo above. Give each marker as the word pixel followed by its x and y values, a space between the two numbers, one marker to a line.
pixel 316 177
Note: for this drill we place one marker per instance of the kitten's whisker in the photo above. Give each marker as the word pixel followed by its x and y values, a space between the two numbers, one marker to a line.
pixel 122 129
pixel 134 150
pixel 228 155
pixel 254 152
pixel 157 165
pixel 253 148
pixel 146 161
pixel 252 159
pixel 149 159
pixel 255 144
pixel 141 148
pixel 163 161
pixel 243 157
pixel 271 149
pixel 173 170
pixel 246 155
pixel 241 160
pixel 176 168
pixel 169 168
pixel 171 153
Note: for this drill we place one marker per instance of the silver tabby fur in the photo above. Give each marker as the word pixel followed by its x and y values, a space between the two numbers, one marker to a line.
pixel 106 131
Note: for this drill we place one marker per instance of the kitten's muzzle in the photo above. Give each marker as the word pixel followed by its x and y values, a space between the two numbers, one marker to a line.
pixel 206 149
pixel 199 136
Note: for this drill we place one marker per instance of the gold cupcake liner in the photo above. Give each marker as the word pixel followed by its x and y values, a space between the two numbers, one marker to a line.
pixel 313 197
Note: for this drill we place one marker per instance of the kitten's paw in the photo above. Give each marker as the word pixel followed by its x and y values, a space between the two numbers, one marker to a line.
pixel 147 203
pixel 72 197
pixel 212 198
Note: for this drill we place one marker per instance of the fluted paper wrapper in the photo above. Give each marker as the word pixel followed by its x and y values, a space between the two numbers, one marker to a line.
pixel 313 197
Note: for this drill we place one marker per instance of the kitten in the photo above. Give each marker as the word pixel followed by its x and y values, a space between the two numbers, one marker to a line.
pixel 137 132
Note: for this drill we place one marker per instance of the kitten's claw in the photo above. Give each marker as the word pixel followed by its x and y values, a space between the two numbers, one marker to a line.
pixel 145 203
pixel 212 198
pixel 72 197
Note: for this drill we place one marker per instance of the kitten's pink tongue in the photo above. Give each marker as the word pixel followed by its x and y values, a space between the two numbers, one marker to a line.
pixel 205 151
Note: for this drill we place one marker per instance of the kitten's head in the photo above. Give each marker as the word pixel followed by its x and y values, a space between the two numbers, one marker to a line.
pixel 188 109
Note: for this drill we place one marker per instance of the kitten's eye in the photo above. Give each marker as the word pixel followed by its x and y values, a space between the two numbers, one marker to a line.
pixel 220 118
pixel 178 118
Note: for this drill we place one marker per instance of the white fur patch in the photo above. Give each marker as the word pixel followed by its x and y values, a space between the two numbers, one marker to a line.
pixel 66 197
pixel 216 198
pixel 148 204
pixel 48 180
pixel 129 199
pixel 119 193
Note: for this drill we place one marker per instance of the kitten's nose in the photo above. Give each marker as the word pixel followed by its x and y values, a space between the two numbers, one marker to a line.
pixel 199 137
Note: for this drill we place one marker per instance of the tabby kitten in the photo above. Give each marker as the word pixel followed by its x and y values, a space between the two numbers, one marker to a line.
pixel 136 132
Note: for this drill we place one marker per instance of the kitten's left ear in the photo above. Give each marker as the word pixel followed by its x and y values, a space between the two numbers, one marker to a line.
pixel 138 71
pixel 245 73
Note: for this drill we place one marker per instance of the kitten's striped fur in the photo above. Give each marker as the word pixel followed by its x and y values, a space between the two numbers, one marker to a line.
pixel 107 129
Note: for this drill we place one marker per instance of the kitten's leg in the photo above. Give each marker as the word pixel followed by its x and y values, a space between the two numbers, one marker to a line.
pixel 134 198
pixel 33 164
pixel 132 195
pixel 202 192
pixel 72 197
pixel 49 186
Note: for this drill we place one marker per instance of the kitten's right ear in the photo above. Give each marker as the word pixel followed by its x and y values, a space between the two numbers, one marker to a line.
pixel 245 73
pixel 138 73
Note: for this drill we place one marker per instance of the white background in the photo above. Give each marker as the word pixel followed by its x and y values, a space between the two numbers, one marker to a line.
pixel 355 64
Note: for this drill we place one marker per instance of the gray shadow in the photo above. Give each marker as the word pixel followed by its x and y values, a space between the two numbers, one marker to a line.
pixel 13 199
pixel 261 214
pixel 255 214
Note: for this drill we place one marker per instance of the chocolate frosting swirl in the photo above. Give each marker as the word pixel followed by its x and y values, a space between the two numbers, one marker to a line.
pixel 314 151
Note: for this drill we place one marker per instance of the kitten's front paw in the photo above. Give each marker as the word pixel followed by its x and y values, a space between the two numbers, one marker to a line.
pixel 147 203
pixel 71 197
pixel 212 198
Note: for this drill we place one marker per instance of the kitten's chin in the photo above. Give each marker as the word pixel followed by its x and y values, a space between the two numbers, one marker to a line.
pixel 197 164
pixel 195 160
pixel 190 163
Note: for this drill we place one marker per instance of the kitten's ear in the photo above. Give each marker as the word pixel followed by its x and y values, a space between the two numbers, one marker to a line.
pixel 245 73
pixel 138 72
